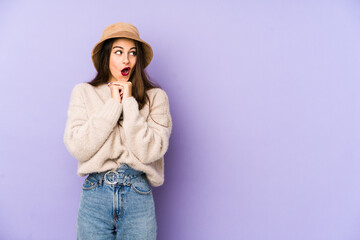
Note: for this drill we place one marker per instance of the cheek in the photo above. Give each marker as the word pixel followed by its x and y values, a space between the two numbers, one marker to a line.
pixel 133 62
pixel 112 65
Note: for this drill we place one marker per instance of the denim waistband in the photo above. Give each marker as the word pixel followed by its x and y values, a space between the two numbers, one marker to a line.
pixel 123 175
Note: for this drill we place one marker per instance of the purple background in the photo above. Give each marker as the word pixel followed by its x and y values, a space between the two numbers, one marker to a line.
pixel 265 103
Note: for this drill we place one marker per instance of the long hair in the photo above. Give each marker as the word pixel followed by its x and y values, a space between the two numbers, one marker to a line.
pixel 139 78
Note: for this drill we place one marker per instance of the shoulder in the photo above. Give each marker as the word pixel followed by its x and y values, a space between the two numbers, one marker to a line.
pixel 158 100
pixel 81 91
pixel 157 94
pixel 82 87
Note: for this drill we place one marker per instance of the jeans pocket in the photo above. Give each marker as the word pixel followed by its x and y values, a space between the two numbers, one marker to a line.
pixel 89 183
pixel 142 187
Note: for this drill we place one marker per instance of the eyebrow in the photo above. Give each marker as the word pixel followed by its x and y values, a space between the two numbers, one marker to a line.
pixel 123 48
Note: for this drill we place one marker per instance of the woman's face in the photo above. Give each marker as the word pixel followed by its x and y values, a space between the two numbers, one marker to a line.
pixel 122 59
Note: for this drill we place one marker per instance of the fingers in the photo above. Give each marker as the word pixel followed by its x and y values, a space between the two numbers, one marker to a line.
pixel 120 89
pixel 120 83
pixel 110 84
pixel 117 86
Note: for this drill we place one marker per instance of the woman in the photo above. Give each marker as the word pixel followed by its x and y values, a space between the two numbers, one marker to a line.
pixel 118 128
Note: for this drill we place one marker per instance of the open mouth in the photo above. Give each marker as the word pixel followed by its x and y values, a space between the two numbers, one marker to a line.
pixel 125 71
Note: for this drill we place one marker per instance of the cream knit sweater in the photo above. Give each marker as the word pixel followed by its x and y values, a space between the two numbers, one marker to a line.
pixel 94 136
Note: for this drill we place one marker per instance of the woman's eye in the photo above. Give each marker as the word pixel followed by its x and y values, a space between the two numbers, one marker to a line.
pixel 118 52
pixel 133 53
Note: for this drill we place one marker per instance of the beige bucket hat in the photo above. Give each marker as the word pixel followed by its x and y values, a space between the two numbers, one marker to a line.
pixel 121 30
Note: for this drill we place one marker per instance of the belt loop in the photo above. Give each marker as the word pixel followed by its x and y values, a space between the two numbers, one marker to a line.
pixel 101 179
pixel 127 180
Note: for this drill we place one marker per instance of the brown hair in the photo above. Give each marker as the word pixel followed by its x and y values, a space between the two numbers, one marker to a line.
pixel 139 78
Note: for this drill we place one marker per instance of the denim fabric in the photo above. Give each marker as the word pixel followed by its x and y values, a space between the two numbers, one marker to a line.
pixel 122 210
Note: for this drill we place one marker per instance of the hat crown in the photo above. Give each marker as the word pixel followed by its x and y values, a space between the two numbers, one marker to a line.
pixel 120 27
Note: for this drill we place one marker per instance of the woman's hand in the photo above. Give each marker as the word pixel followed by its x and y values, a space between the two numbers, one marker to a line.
pixel 120 90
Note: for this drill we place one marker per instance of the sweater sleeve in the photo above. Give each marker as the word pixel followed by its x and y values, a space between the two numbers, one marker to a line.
pixel 148 140
pixel 84 135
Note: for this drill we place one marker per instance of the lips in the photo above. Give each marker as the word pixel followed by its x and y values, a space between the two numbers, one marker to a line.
pixel 125 71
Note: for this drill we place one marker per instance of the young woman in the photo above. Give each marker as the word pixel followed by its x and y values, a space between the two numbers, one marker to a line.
pixel 118 128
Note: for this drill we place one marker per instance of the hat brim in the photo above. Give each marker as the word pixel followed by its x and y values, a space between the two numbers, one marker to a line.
pixel 148 52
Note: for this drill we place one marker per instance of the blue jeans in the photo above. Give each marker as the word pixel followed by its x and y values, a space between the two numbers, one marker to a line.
pixel 117 205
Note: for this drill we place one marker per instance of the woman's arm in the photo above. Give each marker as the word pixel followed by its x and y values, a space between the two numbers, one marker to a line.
pixel 147 140
pixel 84 135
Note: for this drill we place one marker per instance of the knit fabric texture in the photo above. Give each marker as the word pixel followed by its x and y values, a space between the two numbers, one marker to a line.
pixel 100 142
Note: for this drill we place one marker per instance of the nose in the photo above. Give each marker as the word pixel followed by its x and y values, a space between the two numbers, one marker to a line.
pixel 126 59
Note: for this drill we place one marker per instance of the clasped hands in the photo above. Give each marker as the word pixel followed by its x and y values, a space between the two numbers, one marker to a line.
pixel 120 90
